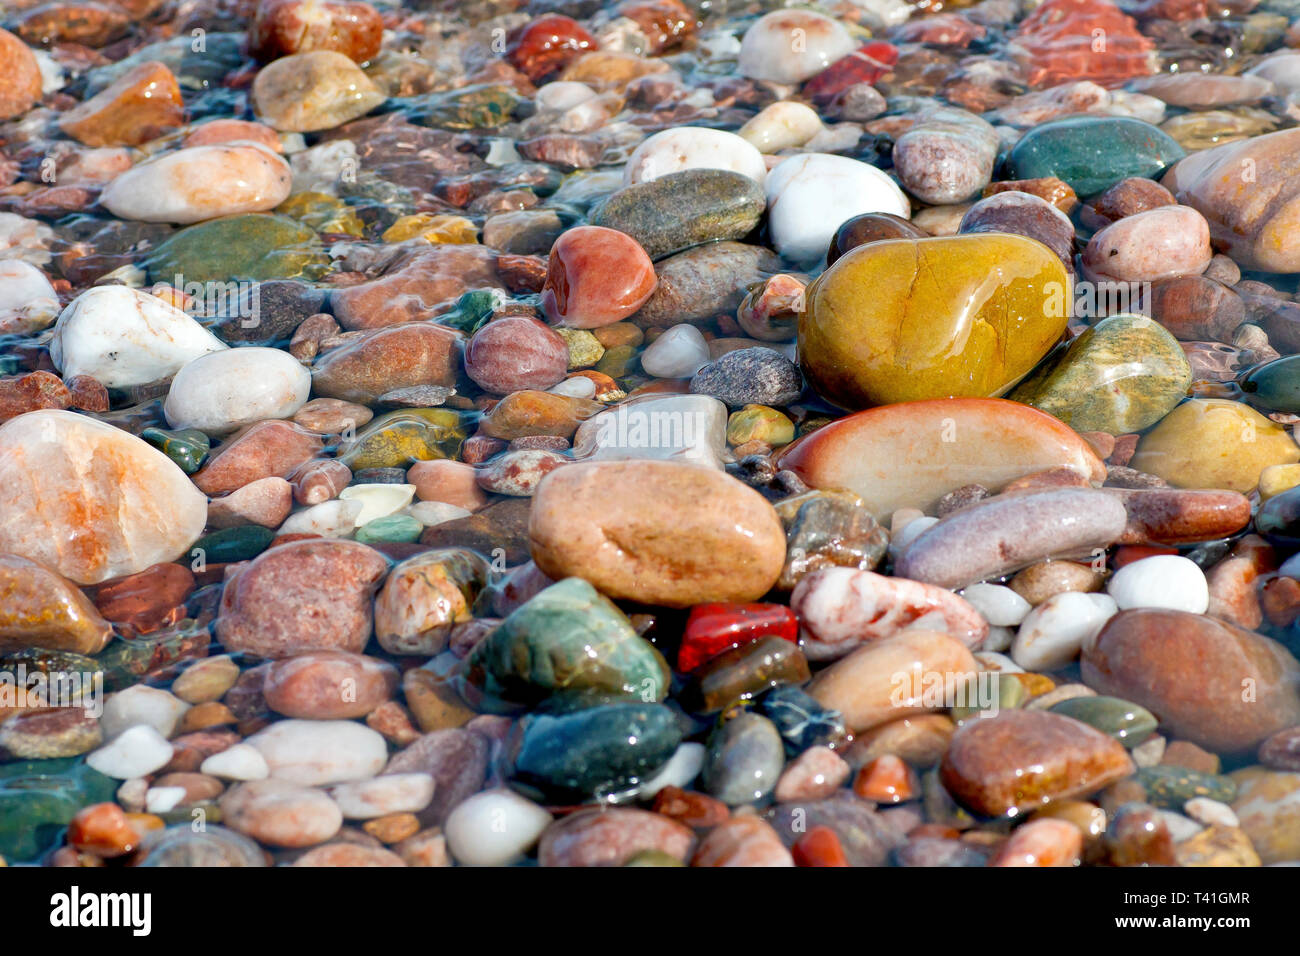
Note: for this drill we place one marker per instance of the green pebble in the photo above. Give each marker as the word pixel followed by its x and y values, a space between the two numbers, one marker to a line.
pixel 1124 720
pixel 1170 787
pixel 232 544
pixel 256 246
pixel 187 448
pixel 390 528
pixel 617 362
pixel 1010 693
pixel 1092 153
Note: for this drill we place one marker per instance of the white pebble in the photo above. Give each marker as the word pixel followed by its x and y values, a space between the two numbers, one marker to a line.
pixel 1053 633
pixel 28 303
pixel 335 518
pixel 313 753
pixel 240 762
pixel 162 799
pixel 1180 827
pixel 682 767
pixel 430 513
pixel 1165 581
pixel 142 704
pixel 909 533
pixel 679 353
pixel 693 147
pixel 226 390
pixel 494 828
pixel 133 753
pixel 1212 813
pixel 1001 606
pixel 790 46
pixel 377 499
pixel 577 387
pixel 998 639
pixel 782 125
pixel 996 663
pixel 379 796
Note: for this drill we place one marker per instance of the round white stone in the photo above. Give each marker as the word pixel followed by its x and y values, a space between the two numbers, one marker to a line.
pixel 313 753
pixel 679 352
pixel 1164 581
pixel 810 195
pixel 494 828
pixel 1000 606
pixel 142 705
pixel 789 46
pixel 28 303
pixel 377 499
pixel 240 762
pixel 1053 633
pixel 163 799
pixel 693 147
pixel 133 753
pixel 124 337
pixel 224 391
pixel 335 518
pixel 379 796
pixel 782 125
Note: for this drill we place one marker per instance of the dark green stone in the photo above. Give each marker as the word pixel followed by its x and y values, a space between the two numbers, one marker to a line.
pixel 187 447
pixel 568 639
pixel 254 246
pixel 1278 519
pixel 473 310
pixel 801 721
pixel 744 759
pixel 1275 385
pixel 1170 787
pixel 594 752
pixel 1124 720
pixel 1092 153
pixel 744 672
pixel 233 544
pixel 680 210
pixel 38 798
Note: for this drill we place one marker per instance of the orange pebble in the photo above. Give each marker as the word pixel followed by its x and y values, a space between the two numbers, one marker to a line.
pixel 1128 553
pixel 104 830
pixel 820 846
pixel 887 779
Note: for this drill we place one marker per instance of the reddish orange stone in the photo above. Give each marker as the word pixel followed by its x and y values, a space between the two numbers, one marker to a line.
pixel 20 85
pixel 691 808
pixel 596 276
pixel 1128 553
pixel 26 393
pixel 1066 40
pixel 284 27
pixel 140 105
pixel 864 65
pixel 102 829
pixel 887 779
pixel 712 629
pixel 148 600
pixel 547 45
pixel 820 846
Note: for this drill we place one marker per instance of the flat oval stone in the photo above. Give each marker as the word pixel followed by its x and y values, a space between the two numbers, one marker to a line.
pixel 568 641
pixel 596 276
pixel 141 104
pixel 30 303
pixel 947 156
pixel 89 500
pixel 1121 375
pixel 1127 722
pixel 1021 760
pixel 1092 153
pixel 377 362
pixel 22 87
pixel 768 53
pixel 175 187
pixel 1210 682
pixel 328 685
pixel 902 320
pixel 257 246
pixel 692 147
pixel 1214 443
pixel 223 391
pixel 744 760
pixel 425 596
pixel 1275 385
pixel 398 439
pixel 911 454
pixel 312 753
pixel 593 752
pixel 1005 533
pixel 1157 244
pixel 306 92
pixel 1178 516
pixel 611 836
pixel 1171 787
pixel 657 532
pixel 695 285
pixel 744 672
pixel 280 813
pixel 674 212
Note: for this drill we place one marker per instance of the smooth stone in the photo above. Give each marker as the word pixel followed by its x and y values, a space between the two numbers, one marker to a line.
pixel 568 642
pixel 328 685
pixel 233 544
pixel 1214 443
pixel 1213 181
pixel 745 672
pixel 744 759
pixel 911 454
pixel 1092 153
pixel 141 104
pixel 401 438
pixel 999 605
pixel 377 362
pixel 753 376
pixel 383 795
pixel 598 751
pixel 1209 682
pixel 391 529
pixel 867 228
pixel 1121 375
pixel 810 194
pixel 280 813
pixel 692 147
pixel 595 277
pixel 1274 385
pixel 1023 214
pixel 240 762
pixel 784 124
pixel 223 391
pixel 188 448
pixel 801 720
pixel 1054 632
pixel 425 596
pixel 933 325
pixel 1157 244
pixel 22 84
pixel 1005 533
pixel 841 608
pixel 946 156
pixel 768 51
pixel 122 337
pixel 716 628
pixel 1021 760
pixel 1266 806
pixel 173 187
pixel 688 429
pixel 142 705
pixel 91 501
pixel 703 281
pixel 611 837
pixel 266 502
pixel 318 90
pixel 827 529
pixel 1127 722
pixel 301 596
pixel 865 835
pixel 30 303
pixel 312 753
pixel 679 353
pixel 329 519
pixel 1166 581
pixel 494 828
pixel 891 678
pixel 516 352
pixel 671 213
pixel 377 500
pixel 1170 787
pixel 254 246
pixel 43 610
pixel 135 752
pixel 657 532
pixel 1042 842
pixel 746 841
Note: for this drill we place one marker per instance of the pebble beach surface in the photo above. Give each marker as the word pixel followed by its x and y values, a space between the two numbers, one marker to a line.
pixel 649 433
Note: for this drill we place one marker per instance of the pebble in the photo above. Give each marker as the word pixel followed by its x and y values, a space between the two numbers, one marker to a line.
pixel 744 759
pixel 596 276
pixel 611 837
pixel 1069 150
pixel 1023 214
pixel 750 376
pixel 43 610
pixel 679 353
pixel 142 705
pixel 167 188
pixel 123 337
pixel 317 90
pixel 135 752
pixel 22 87
pixel 692 147
pixel 1041 842
pixel 946 156
pixel 280 813
pixel 30 302
pixel 223 391
pixel 1157 244
pixel 381 361
pixel 241 762
pixel 1000 606
pixel 1165 581
pixel 328 685
pixel 516 352
pixel 311 753
pixel 266 502
pixel 1054 632
pixel 742 841
pixel 494 828
pixel 381 796
pixel 142 103
pixel 768 53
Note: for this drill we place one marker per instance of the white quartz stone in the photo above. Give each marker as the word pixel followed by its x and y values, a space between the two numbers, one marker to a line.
pixel 28 303
pixel 134 753
pixel 198 183
pixel 377 499
pixel 688 428
pixel 494 828
pixel 693 147
pixel 789 46
pixel 223 391
pixel 679 352
pixel 313 753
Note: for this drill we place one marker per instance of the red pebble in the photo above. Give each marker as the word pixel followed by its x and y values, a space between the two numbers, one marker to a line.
pixel 864 65
pixel 1128 553
pixel 596 276
pixel 714 628
pixel 547 45
pixel 820 846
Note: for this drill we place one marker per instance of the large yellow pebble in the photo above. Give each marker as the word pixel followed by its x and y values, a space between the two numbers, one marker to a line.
pixel 435 227
pixel 907 319
pixel 1214 443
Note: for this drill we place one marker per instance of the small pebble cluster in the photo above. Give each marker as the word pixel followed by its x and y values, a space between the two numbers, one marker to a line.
pixel 649 433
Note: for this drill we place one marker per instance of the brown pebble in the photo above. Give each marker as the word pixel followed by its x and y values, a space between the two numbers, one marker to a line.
pixel 1038 582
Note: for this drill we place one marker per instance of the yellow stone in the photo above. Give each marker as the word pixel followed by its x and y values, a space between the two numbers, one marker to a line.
pixel 1276 479
pixel 1214 443
pixel 759 423
pixel 436 228
pixel 908 319
pixel 323 213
